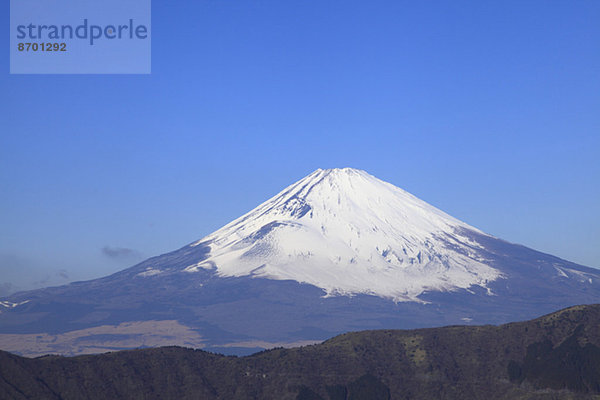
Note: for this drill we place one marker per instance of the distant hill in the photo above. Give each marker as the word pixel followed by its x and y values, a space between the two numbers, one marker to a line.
pixel 556 356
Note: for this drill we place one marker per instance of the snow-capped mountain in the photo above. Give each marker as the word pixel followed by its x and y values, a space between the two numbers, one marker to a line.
pixel 337 251
pixel 348 232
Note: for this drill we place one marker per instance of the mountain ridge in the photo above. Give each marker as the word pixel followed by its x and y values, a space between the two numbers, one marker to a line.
pixel 551 357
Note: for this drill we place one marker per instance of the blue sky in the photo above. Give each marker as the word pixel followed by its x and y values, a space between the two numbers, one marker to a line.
pixel 487 110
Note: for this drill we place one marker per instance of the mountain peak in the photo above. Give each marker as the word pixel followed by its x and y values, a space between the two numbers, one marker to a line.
pixel 348 233
pixel 344 170
pixel 339 173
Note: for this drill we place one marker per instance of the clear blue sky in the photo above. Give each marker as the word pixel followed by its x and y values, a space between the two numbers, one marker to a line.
pixel 487 110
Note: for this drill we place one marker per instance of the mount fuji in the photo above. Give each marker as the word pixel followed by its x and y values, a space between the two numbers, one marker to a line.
pixel 337 251
pixel 349 233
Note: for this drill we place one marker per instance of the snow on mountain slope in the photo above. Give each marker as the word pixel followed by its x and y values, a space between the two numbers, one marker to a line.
pixel 348 232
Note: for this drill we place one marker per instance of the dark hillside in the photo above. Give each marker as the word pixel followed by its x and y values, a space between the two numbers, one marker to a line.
pixel 553 357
